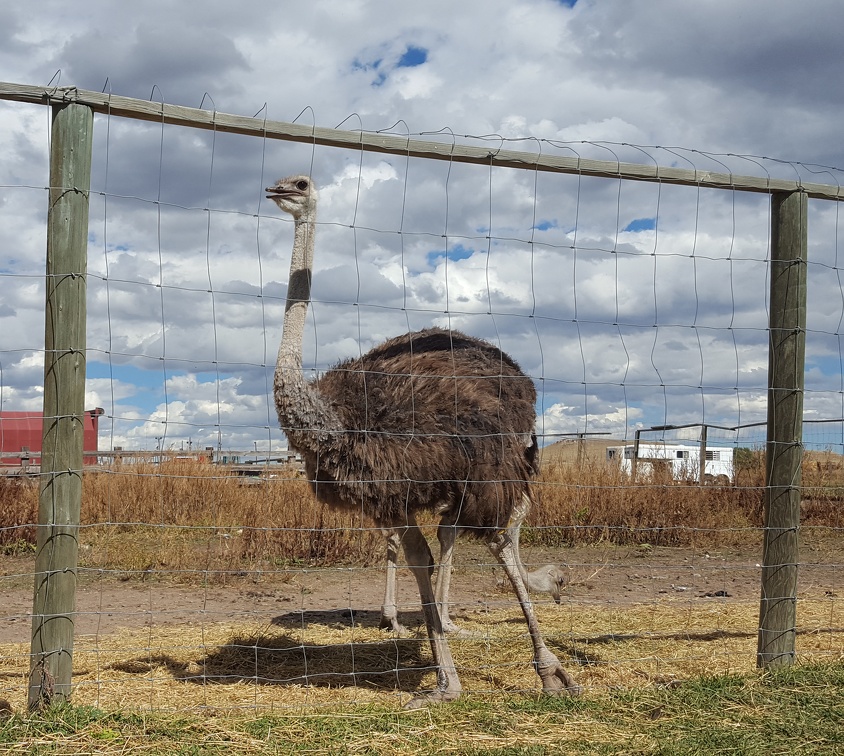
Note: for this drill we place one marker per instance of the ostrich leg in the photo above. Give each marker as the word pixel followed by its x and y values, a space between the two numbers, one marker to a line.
pixel 547 579
pixel 421 563
pixel 555 679
pixel 389 609
pixel 514 531
pixel 446 535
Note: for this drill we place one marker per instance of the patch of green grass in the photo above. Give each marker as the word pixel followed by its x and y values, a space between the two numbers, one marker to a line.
pixel 799 710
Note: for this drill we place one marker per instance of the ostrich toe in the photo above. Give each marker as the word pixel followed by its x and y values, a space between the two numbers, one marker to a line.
pixel 557 681
pixel 434 697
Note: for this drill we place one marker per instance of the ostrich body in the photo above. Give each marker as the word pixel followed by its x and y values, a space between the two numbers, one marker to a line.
pixel 429 421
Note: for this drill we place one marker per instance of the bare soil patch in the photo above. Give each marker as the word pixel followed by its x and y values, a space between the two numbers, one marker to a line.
pixel 599 575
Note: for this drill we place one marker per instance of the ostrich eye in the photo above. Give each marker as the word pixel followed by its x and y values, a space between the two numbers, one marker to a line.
pixel 302 185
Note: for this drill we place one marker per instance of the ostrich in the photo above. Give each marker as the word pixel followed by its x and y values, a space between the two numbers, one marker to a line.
pixel 429 421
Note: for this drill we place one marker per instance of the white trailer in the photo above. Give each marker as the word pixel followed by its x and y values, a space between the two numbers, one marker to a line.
pixel 682 461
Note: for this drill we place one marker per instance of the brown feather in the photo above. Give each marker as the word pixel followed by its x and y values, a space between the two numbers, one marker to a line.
pixel 434 420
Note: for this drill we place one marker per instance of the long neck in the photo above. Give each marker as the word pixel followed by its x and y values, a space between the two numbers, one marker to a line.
pixel 298 297
pixel 302 412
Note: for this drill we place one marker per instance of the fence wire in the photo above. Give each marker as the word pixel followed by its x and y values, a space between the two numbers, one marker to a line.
pixel 209 576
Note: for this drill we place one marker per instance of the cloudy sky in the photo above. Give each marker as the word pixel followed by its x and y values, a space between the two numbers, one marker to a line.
pixel 631 305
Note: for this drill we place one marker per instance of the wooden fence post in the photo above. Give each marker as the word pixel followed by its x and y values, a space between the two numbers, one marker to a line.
pixel 784 451
pixel 60 494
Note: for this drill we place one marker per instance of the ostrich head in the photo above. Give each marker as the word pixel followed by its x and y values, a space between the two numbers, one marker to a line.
pixel 295 195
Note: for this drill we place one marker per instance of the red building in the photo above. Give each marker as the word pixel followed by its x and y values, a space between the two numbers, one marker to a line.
pixel 23 431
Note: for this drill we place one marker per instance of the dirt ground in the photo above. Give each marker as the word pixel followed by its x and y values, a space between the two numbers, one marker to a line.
pixel 599 575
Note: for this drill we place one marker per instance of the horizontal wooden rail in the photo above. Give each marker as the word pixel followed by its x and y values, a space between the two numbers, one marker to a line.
pixel 158 112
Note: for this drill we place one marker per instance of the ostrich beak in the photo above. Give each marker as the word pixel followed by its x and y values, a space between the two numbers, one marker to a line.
pixel 559 584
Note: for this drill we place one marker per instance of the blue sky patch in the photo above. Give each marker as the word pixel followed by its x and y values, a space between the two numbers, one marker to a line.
pixel 641 224
pixel 545 225
pixel 455 253
pixel 413 56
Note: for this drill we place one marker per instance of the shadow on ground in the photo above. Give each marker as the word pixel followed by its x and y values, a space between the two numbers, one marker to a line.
pixel 282 658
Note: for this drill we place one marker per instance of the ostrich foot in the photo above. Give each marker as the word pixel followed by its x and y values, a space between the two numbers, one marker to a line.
pixel 434 697
pixel 452 629
pixel 448 689
pixel 555 679
pixel 393 625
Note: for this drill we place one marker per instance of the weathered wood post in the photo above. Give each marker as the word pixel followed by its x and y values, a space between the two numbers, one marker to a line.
pixel 784 450
pixel 60 495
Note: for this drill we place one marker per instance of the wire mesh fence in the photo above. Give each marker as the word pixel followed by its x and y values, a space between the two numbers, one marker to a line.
pixel 630 284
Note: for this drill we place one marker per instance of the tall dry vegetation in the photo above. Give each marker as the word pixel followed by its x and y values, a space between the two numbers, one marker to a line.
pixel 596 502
pixel 189 515
pixel 182 516
pixel 18 513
